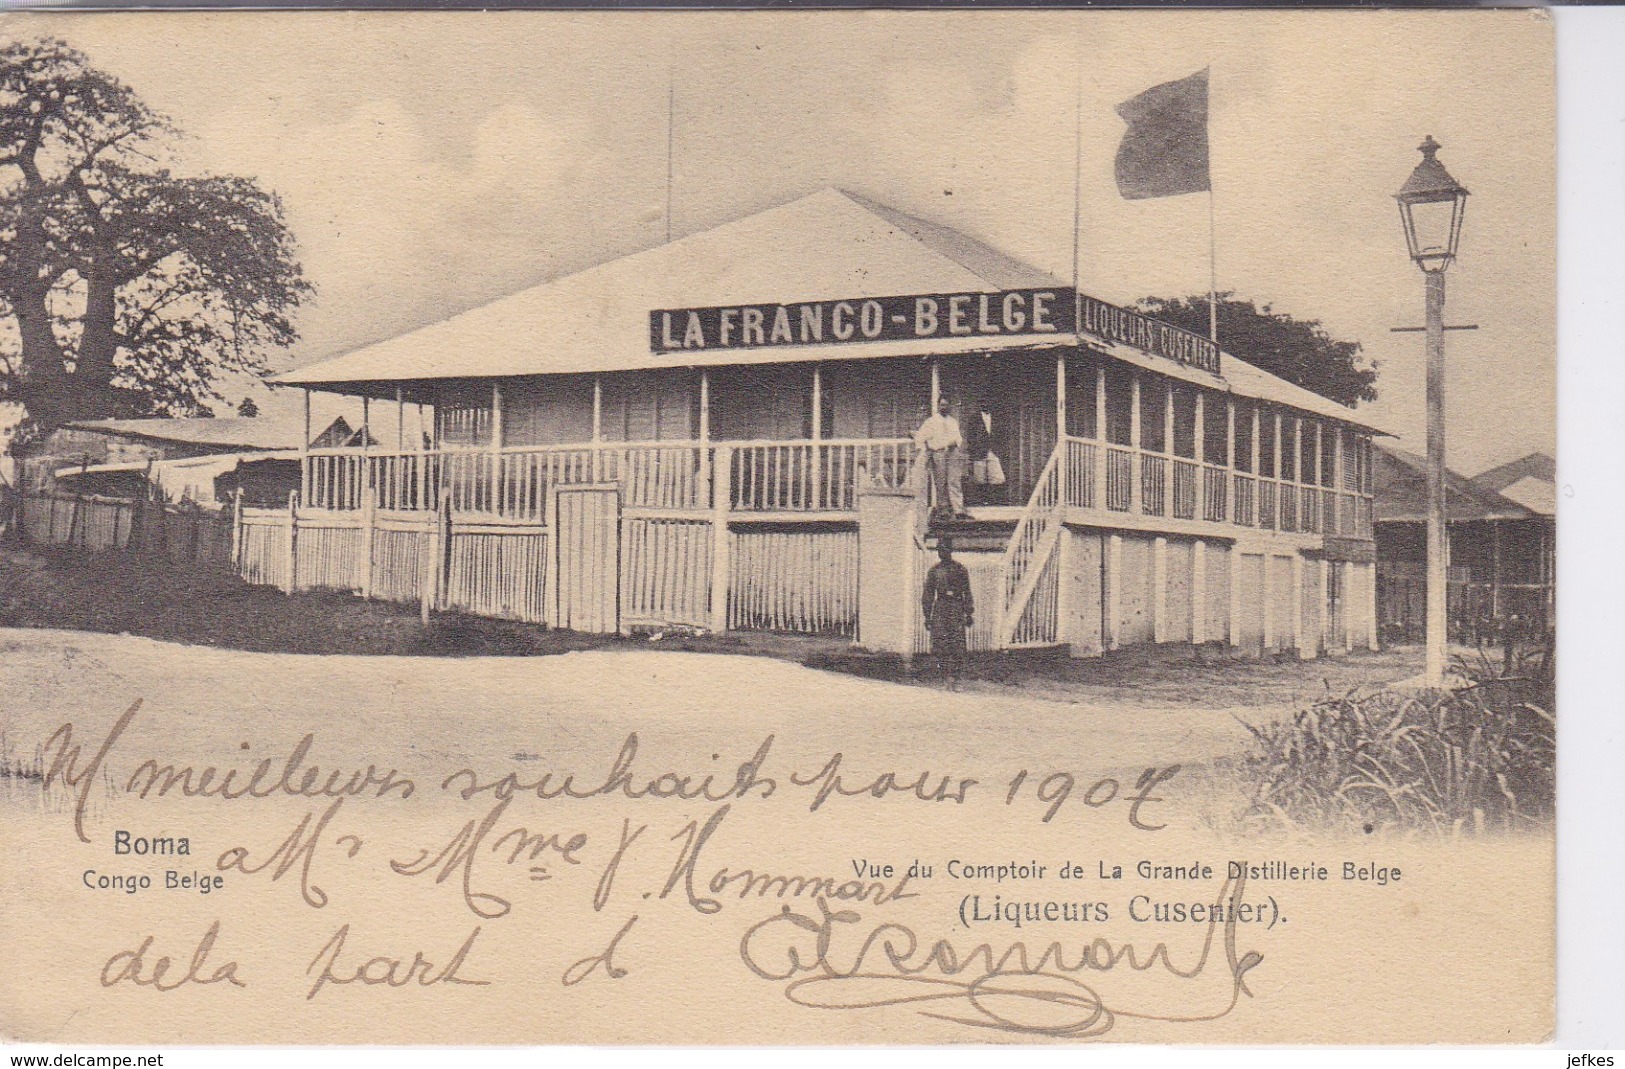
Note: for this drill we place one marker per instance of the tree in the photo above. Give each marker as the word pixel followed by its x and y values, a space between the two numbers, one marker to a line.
pixel 1297 350
pixel 128 289
pixel 247 408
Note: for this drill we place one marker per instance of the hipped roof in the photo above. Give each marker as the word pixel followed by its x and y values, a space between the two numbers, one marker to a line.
pixel 826 246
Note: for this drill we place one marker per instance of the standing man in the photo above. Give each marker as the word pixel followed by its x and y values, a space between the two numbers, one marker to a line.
pixel 943 446
pixel 949 611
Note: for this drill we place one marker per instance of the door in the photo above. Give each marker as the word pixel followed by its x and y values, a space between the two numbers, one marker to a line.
pixel 587 558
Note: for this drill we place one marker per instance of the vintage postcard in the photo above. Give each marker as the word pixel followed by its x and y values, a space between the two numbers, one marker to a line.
pixel 777 528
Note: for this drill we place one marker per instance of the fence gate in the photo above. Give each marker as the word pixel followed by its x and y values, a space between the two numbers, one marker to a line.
pixel 587 557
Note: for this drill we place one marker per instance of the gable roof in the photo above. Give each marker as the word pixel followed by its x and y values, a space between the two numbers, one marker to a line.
pixel 1535 465
pixel 1535 494
pixel 225 433
pixel 1399 492
pixel 830 244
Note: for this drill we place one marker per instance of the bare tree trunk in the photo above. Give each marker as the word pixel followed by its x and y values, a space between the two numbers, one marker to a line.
pixel 44 388
pixel 98 343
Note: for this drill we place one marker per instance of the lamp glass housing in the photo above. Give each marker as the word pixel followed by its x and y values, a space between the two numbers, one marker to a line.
pixel 1431 206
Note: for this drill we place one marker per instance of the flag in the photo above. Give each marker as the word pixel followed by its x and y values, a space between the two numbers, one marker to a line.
pixel 1164 149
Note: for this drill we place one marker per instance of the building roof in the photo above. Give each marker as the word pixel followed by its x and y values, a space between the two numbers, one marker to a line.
pixel 1535 494
pixel 225 433
pixel 828 245
pixel 1399 492
pixel 1535 465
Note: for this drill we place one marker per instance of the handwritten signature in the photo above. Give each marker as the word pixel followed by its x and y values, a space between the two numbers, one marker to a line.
pixel 1009 990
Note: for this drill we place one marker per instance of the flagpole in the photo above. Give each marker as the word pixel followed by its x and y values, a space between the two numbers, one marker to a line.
pixel 1077 204
pixel 1212 270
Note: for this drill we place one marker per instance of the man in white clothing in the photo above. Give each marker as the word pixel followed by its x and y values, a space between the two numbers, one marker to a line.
pixel 943 446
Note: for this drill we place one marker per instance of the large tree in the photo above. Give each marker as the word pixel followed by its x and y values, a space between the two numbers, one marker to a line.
pixel 126 288
pixel 1298 350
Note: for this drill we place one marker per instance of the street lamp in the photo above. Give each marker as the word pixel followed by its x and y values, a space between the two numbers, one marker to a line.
pixel 1431 205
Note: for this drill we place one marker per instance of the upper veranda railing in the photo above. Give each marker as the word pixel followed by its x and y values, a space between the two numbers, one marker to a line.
pixel 805 477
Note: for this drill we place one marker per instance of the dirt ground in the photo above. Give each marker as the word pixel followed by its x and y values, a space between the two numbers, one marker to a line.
pixel 183 605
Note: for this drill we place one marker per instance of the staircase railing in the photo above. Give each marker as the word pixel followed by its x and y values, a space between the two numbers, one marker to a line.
pixel 1031 545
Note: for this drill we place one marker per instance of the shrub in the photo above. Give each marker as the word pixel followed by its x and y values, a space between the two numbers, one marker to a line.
pixel 1468 761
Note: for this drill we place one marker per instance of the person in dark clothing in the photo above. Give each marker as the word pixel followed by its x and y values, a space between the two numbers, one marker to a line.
pixel 949 611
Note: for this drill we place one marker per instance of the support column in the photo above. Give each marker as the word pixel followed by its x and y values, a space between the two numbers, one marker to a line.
pixel 1198 592
pixel 1235 594
pixel 1280 465
pixel 496 447
pixel 1323 600
pixel 422 463
pixel 1060 398
pixel 363 488
pixel 1136 504
pixel 597 428
pixel 1370 592
pixel 1199 452
pixel 1101 443
pixel 1297 607
pixel 1114 589
pixel 304 453
pixel 1495 569
pixel 1268 603
pixel 816 465
pixel 708 460
pixel 720 546
pixel 397 466
pixel 1346 601
pixel 1159 590
pixel 936 385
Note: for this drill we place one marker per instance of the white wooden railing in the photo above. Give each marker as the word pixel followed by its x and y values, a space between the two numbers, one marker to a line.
pixel 1026 555
pixel 802 477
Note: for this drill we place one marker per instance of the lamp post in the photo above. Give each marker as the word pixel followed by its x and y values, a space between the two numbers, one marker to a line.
pixel 1431 204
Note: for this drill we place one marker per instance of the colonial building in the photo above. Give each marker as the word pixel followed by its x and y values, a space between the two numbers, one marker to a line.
pixel 180 457
pixel 716 433
pixel 1502 547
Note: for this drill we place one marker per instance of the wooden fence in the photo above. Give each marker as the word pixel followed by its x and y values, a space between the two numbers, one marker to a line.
pixel 179 533
pixel 798 580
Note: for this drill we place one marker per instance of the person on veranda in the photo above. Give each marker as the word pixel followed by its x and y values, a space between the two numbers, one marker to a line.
pixel 942 445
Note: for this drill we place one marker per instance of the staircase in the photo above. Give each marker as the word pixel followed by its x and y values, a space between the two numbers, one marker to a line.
pixel 1030 549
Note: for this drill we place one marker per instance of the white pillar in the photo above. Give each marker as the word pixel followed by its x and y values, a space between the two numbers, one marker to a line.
pixel 1346 601
pixel 1198 591
pixel 597 428
pixel 1199 452
pixel 1297 606
pixel 1370 605
pixel 1114 588
pixel 1136 505
pixel 1159 590
pixel 1269 615
pixel 1099 499
pixel 304 454
pixel 1235 594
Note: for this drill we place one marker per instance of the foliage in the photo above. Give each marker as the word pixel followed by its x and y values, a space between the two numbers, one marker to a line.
pixel 1297 350
pixel 247 408
pixel 1474 760
pixel 128 288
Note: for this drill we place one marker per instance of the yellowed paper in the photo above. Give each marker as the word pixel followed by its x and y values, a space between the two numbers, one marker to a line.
pixel 584 693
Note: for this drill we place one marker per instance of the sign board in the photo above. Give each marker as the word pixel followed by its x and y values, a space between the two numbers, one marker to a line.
pixel 1034 312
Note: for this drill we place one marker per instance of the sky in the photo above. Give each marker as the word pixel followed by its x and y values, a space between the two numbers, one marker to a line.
pixel 431 162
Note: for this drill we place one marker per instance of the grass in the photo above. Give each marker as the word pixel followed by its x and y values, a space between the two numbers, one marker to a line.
pixel 1470 761
pixel 120 593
